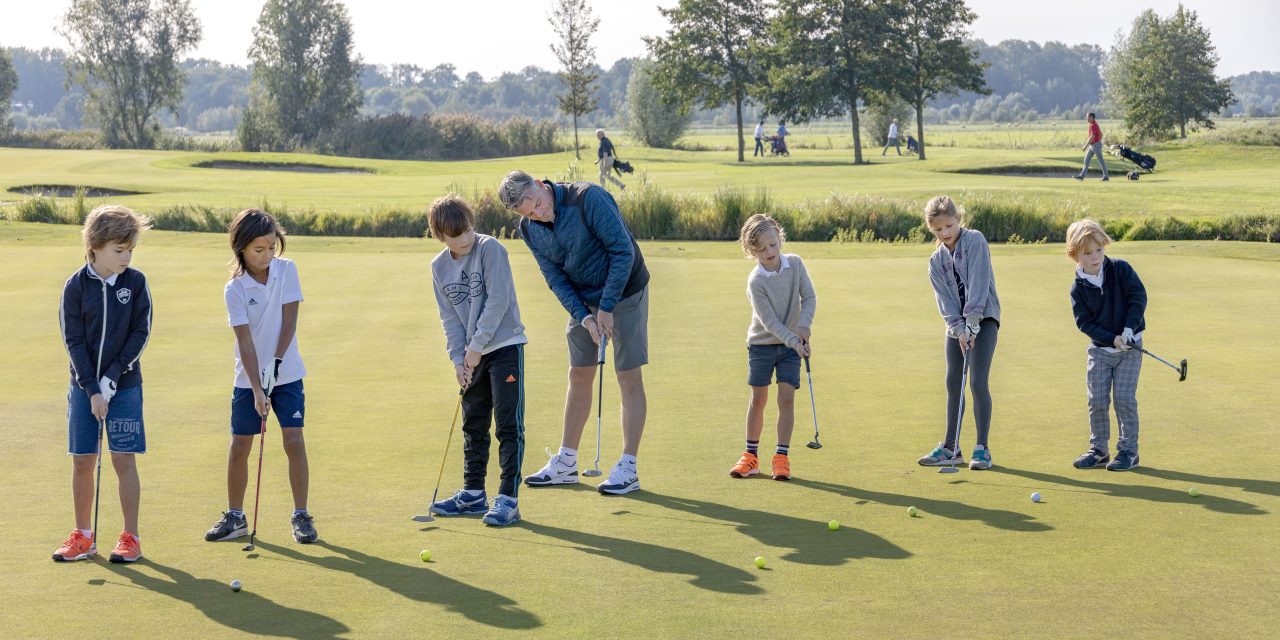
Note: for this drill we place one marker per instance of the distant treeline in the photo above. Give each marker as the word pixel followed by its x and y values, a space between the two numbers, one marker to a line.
pixel 1028 80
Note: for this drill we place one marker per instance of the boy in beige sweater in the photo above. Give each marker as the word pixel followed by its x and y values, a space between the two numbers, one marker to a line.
pixel 783 304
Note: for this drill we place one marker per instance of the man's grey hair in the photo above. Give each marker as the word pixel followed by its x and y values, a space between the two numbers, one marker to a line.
pixel 514 187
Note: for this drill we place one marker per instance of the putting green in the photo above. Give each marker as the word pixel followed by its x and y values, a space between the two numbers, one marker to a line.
pixel 1129 553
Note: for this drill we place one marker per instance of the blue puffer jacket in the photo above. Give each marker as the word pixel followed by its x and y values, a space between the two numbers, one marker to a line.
pixel 105 327
pixel 1104 313
pixel 587 255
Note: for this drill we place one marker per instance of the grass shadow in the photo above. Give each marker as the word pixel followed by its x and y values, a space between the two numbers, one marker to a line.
pixel 809 540
pixel 706 573
pixel 245 611
pixel 998 518
pixel 1266 487
pixel 419 583
pixel 1140 492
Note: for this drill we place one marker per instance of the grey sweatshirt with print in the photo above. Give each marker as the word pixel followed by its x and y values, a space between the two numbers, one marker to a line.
pixel 477 299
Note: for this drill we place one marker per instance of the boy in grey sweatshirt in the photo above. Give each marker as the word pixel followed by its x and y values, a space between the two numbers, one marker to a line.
pixel 476 296
pixel 783 304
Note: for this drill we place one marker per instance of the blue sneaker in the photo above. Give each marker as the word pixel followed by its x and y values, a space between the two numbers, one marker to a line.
pixel 981 458
pixel 1124 461
pixel 1090 459
pixel 505 511
pixel 941 457
pixel 461 504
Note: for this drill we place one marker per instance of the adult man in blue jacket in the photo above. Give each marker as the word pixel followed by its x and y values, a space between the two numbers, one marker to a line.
pixel 594 266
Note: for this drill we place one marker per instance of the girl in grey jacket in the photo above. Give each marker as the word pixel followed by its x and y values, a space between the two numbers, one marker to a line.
pixel 965 288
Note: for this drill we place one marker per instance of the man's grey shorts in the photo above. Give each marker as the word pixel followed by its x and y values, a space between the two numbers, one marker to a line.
pixel 630 336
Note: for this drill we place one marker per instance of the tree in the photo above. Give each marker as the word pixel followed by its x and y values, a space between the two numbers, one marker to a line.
pixel 712 54
pixel 651 118
pixel 829 54
pixel 1162 76
pixel 8 84
pixel 934 56
pixel 305 76
pixel 125 55
pixel 575 24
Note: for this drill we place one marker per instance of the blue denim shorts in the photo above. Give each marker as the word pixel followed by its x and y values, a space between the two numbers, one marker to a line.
pixel 288 402
pixel 124 423
pixel 764 359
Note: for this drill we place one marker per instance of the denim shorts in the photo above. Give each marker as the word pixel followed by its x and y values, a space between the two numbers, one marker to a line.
pixel 764 359
pixel 288 402
pixel 124 423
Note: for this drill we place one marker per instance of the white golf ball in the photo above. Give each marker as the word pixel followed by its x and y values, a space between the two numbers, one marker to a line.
pixel 235 585
pixel 1035 497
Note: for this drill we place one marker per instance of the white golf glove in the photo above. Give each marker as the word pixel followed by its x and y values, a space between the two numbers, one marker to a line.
pixel 1129 338
pixel 107 387
pixel 269 376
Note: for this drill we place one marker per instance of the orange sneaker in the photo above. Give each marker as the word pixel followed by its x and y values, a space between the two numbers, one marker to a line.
pixel 748 465
pixel 77 547
pixel 128 549
pixel 781 467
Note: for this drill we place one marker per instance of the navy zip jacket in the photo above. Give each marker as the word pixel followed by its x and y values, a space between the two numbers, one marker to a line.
pixel 105 327
pixel 606 149
pixel 1104 313
pixel 587 255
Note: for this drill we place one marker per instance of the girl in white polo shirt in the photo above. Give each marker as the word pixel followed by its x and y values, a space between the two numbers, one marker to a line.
pixel 262 299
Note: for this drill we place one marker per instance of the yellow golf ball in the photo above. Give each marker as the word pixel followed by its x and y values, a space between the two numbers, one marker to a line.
pixel 834 525
pixel 425 555
pixel 912 511
pixel 1193 491
pixel 759 562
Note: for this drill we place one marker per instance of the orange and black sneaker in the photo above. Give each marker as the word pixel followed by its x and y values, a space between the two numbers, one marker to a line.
pixel 748 465
pixel 77 547
pixel 128 549
pixel 781 467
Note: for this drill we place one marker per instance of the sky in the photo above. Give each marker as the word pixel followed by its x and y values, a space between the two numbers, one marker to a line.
pixel 493 36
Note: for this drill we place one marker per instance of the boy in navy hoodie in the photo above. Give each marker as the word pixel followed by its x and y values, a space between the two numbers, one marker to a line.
pixel 105 316
pixel 1108 301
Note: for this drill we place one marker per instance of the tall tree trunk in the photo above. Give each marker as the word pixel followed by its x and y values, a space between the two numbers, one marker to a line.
pixel 919 105
pixel 737 104
pixel 1183 127
pixel 857 135
pixel 576 152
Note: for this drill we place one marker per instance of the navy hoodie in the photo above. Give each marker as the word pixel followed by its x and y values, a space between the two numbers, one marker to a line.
pixel 1103 313
pixel 105 327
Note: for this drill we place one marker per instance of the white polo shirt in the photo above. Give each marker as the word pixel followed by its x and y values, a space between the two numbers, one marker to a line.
pixel 261 306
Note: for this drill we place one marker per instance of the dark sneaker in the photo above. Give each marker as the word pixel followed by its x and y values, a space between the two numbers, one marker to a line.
pixel 231 526
pixel 1091 459
pixel 941 457
pixel 505 511
pixel 1125 460
pixel 1106 178
pixel 461 504
pixel 303 530
pixel 1078 176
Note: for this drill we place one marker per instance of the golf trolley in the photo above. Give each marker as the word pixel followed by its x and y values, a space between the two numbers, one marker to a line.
pixel 1143 161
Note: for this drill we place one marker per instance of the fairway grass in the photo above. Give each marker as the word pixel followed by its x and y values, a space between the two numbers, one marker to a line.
pixel 1198 180
pixel 1119 554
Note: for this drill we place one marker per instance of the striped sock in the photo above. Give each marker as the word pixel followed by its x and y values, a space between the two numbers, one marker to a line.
pixel 753 447
pixel 784 448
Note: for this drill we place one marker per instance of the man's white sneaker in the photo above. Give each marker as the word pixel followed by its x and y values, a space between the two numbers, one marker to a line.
pixel 557 471
pixel 622 479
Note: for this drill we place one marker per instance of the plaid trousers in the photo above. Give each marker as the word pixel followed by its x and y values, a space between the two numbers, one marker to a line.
pixel 1113 374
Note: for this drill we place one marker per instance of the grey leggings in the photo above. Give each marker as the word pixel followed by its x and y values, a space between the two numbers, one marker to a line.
pixel 980 356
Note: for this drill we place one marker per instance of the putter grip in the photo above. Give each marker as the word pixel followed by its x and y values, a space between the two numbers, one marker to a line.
pixel 604 342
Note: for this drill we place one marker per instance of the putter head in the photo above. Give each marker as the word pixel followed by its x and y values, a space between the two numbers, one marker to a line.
pixel 814 445
pixel 247 547
pixel 1182 374
pixel 948 470
pixel 426 517
pixel 593 473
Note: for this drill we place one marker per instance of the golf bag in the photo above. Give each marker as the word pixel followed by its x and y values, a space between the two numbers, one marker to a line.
pixel 777 146
pixel 1142 160
pixel 622 166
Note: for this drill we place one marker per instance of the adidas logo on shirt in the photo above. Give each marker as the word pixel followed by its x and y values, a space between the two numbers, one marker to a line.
pixel 252 302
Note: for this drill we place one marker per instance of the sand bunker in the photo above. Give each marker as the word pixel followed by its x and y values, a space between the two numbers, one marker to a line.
pixel 279 166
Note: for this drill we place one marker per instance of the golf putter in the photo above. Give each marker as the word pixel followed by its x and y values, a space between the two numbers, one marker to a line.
pixel 964 382
pixel 594 472
pixel 1182 370
pixel 816 444
pixel 97 482
pixel 257 489
pixel 427 517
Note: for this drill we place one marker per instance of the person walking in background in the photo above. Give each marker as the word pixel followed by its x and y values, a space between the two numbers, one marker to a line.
pixel 604 157
pixel 893 138
pixel 1093 147
pixel 780 140
pixel 759 140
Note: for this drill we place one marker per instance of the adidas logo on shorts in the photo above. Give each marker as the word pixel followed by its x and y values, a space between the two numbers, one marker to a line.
pixel 297 414
pixel 511 378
